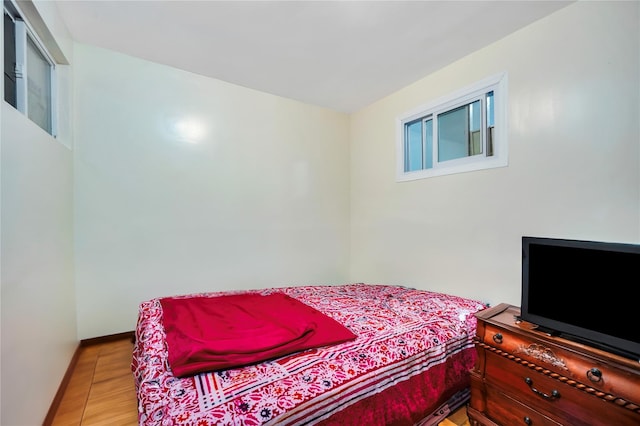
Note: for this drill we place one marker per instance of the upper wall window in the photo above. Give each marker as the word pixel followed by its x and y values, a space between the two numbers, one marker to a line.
pixel 462 132
pixel 28 70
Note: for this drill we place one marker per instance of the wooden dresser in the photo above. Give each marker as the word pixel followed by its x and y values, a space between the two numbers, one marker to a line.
pixel 526 377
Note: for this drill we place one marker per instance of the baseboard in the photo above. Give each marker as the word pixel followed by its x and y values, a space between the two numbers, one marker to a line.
pixel 48 420
pixel 109 338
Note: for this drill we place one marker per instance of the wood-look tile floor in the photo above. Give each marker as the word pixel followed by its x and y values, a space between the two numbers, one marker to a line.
pixel 101 390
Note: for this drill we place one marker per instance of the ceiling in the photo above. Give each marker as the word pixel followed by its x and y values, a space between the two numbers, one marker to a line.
pixel 341 55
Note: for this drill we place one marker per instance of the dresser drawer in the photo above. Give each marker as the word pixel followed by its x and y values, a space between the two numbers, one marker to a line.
pixel 591 374
pixel 552 398
pixel 508 411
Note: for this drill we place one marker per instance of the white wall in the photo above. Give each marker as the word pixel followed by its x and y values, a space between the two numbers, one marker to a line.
pixel 38 301
pixel 573 170
pixel 260 198
pixel 38 317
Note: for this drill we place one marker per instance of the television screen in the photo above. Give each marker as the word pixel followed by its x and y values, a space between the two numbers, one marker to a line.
pixel 583 290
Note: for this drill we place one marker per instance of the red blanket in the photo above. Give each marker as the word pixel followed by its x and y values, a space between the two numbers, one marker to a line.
pixel 215 333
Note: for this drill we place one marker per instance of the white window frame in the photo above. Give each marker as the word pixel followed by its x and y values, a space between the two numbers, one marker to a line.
pixel 25 31
pixel 478 90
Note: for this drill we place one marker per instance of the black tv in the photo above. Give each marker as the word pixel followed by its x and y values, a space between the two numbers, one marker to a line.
pixel 585 291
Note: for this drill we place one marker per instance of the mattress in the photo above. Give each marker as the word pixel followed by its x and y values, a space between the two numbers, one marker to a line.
pixel 408 364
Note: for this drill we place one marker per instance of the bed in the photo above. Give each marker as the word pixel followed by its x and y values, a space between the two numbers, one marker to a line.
pixel 407 362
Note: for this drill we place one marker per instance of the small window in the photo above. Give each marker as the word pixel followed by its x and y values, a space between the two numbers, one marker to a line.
pixel 28 71
pixel 459 133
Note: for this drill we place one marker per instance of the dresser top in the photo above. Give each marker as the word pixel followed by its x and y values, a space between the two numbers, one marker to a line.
pixel 508 317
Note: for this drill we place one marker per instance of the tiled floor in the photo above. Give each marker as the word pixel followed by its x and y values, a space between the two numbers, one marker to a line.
pixel 101 390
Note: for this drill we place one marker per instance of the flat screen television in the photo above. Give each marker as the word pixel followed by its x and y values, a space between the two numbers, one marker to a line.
pixel 586 291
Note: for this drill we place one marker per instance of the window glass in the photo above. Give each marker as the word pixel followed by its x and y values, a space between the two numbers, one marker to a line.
pixel 490 112
pixel 428 130
pixel 475 128
pixel 414 146
pixel 9 60
pixel 38 87
pixel 458 133
pixel 453 134
pixel 28 71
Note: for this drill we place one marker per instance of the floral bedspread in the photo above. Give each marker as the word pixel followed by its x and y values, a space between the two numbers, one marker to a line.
pixel 413 351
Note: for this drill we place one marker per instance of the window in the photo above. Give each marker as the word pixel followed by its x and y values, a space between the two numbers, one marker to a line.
pixel 28 70
pixel 461 132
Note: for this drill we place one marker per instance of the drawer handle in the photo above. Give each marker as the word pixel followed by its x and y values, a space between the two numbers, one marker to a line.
pixel 527 421
pixel 595 375
pixel 497 337
pixel 554 393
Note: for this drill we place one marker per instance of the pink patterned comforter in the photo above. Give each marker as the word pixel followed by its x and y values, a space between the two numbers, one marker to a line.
pixel 413 352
